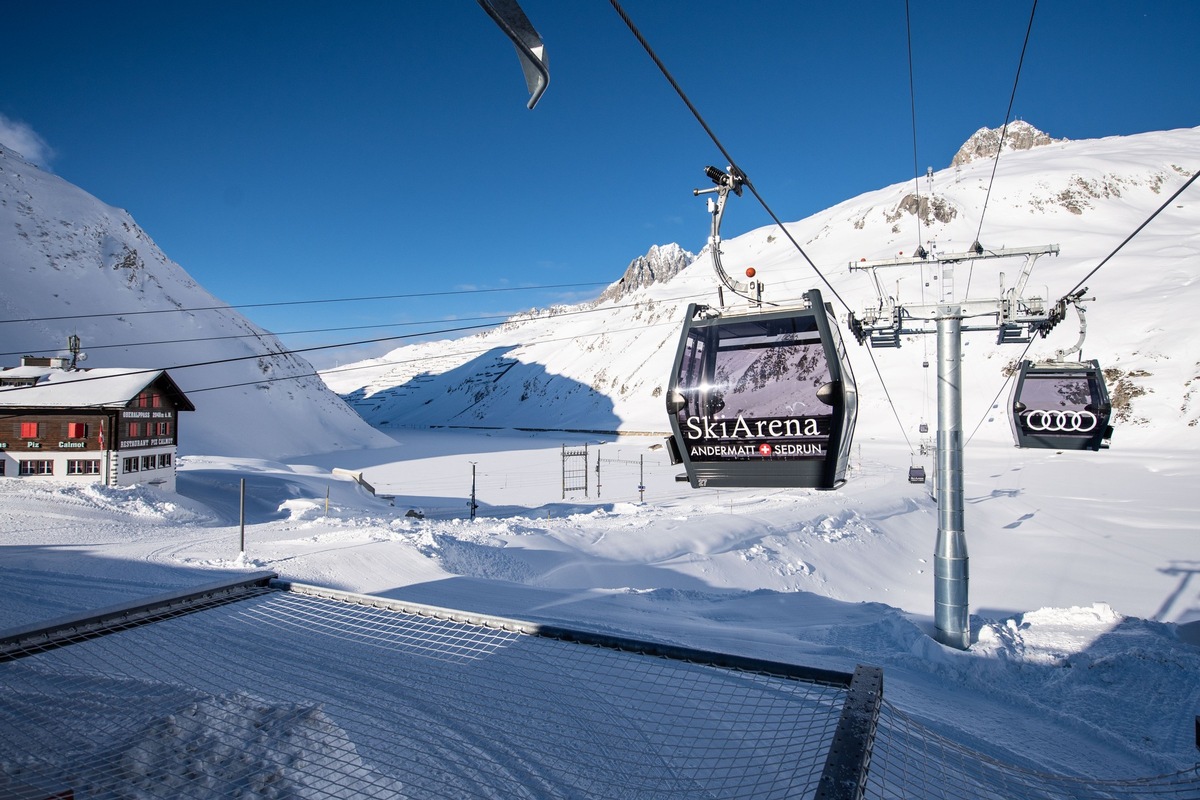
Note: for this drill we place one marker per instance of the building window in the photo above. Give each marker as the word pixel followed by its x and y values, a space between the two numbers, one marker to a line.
pixel 164 460
pixel 30 430
pixel 37 467
pixel 147 462
pixel 3 461
pixel 156 401
pixel 164 429
pixel 83 467
pixel 130 465
pixel 135 430
pixel 77 430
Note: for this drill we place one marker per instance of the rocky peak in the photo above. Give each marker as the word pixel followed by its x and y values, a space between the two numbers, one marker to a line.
pixel 1020 135
pixel 660 264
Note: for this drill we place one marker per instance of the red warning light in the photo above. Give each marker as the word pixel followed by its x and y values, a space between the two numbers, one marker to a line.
pixel 751 272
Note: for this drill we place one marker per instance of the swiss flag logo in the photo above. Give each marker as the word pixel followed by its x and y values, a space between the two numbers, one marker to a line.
pixel 764 449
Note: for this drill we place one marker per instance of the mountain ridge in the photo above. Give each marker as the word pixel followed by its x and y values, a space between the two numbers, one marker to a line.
pixel 75 265
pixel 1077 194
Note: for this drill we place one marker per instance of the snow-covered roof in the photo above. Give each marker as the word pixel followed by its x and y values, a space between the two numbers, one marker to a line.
pixel 96 388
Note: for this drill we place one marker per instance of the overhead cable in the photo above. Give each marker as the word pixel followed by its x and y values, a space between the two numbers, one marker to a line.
pixel 1003 133
pixel 408 296
pixel 729 158
pixel 1138 230
pixel 912 104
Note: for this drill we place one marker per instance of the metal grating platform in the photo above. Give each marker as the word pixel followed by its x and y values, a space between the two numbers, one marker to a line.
pixel 266 690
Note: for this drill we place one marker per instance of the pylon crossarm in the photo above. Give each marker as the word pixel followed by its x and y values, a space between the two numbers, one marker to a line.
pixel 953 258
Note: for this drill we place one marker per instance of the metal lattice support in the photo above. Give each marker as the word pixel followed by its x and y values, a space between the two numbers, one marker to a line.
pixel 287 694
pixel 849 760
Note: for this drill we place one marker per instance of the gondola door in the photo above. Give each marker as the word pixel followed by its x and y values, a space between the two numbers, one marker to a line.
pixel 765 399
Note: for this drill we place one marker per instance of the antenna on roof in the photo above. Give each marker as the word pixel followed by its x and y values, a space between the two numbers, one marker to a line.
pixel 76 354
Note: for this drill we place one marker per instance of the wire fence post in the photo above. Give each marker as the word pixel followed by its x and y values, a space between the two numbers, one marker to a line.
pixel 474 505
pixel 242 520
pixel 641 479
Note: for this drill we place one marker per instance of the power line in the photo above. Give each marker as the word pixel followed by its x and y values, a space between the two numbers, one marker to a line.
pixel 750 185
pixel 1000 145
pixel 396 363
pixel 888 395
pixel 1138 230
pixel 912 104
pixel 1080 284
pixel 129 345
pixel 409 296
pixel 317 373
pixel 497 319
pixel 729 158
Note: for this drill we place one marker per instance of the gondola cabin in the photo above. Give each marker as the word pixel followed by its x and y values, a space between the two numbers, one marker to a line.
pixel 762 399
pixel 1061 406
pixel 916 474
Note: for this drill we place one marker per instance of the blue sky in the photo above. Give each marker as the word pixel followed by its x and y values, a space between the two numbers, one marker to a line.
pixel 308 150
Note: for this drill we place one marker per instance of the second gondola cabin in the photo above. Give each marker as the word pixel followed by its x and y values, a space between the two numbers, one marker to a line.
pixel 762 399
pixel 1061 406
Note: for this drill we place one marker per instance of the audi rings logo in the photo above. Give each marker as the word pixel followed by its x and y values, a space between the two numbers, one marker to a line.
pixel 1042 421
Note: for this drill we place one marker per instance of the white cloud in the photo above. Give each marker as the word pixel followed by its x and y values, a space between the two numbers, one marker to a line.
pixel 17 135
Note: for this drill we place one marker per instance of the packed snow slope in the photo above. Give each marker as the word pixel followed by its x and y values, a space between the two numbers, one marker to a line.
pixel 1083 595
pixel 605 365
pixel 74 265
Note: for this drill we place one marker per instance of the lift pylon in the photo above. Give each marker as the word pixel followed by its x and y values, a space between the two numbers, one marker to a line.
pixel 1011 315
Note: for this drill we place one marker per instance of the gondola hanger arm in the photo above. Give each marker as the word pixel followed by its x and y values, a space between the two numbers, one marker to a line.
pixel 1077 299
pixel 725 182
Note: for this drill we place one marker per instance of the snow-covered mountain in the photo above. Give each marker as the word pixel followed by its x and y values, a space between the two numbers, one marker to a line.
pixel 604 365
pixel 73 265
pixel 1019 135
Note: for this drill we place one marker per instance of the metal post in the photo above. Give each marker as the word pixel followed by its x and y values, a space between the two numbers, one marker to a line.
pixel 473 505
pixel 950 555
pixel 642 478
pixel 242 517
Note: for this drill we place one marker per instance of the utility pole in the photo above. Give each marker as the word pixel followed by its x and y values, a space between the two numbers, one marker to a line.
pixel 1015 319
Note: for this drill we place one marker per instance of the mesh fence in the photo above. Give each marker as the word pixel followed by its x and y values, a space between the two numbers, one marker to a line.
pixel 278 694
pixel 287 695
pixel 910 761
